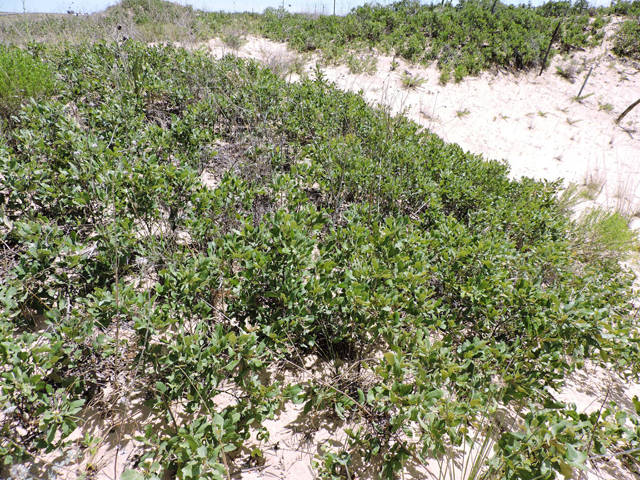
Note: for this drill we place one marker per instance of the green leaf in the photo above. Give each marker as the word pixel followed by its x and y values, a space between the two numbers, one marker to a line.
pixel 131 475
pixel 390 358
pixel 565 470
pixel 574 457
pixel 434 394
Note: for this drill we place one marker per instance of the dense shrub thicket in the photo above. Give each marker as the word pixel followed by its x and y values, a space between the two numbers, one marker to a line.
pixel 439 291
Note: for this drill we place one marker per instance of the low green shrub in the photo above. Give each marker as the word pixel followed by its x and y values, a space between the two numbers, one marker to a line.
pixel 624 8
pixel 626 42
pixel 438 290
pixel 465 39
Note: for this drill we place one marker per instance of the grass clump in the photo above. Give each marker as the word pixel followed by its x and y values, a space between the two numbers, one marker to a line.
pixel 22 76
pixel 234 39
pixel 412 82
pixel 606 233
pixel 567 72
pixel 362 63
pixel 605 107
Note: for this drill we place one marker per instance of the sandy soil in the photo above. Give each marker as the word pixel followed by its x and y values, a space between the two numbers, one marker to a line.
pixel 535 123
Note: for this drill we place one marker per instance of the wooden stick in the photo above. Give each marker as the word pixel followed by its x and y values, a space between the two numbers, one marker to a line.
pixel 553 39
pixel 631 107
pixel 585 82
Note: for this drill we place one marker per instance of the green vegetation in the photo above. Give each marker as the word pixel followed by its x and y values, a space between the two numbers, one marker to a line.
pixel 465 39
pixel 412 82
pixel 624 8
pixel 626 42
pixel 141 20
pixel 22 76
pixel 362 63
pixel 606 107
pixel 440 294
pixel 567 72
pixel 606 233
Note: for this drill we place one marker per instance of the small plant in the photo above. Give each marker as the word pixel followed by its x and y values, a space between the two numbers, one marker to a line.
pixel 593 184
pixel 445 77
pixel 362 63
pixel 459 72
pixel 462 113
pixel 285 64
pixel 412 82
pixel 394 65
pixel 429 116
pixel 543 114
pixel 567 72
pixel 234 39
pixel 572 122
pixel 606 107
pixel 579 99
pixel 571 196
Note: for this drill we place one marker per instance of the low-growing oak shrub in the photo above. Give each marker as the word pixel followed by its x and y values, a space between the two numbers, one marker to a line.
pixel 436 290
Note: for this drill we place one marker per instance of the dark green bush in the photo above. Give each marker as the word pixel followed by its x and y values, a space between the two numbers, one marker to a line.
pixel 626 42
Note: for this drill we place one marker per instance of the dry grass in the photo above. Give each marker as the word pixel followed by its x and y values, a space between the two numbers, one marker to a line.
pixel 593 184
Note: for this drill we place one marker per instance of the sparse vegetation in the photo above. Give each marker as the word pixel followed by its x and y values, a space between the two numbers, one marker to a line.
pixel 567 72
pixel 362 63
pixel 580 98
pixel 412 82
pixel 606 107
pixel 593 184
pixel 234 39
pixel 605 233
